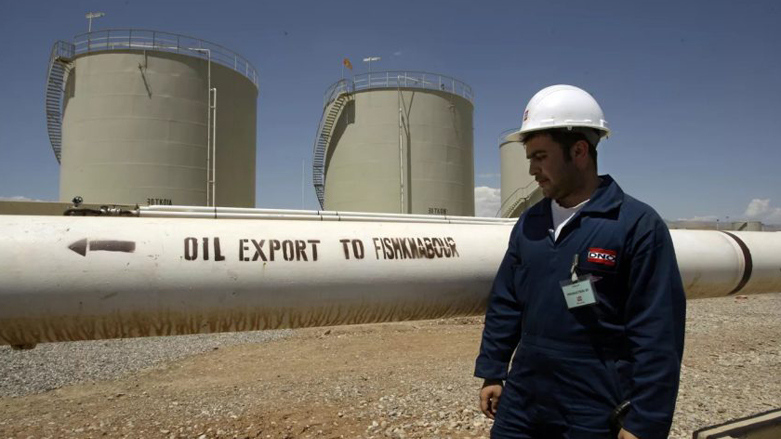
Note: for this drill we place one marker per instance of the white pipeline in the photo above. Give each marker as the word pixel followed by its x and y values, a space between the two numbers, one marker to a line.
pixel 83 278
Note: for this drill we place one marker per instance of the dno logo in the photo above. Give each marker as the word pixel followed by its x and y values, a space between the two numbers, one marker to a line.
pixel 602 256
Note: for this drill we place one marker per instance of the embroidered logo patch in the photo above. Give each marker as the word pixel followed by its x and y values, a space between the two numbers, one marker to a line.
pixel 602 256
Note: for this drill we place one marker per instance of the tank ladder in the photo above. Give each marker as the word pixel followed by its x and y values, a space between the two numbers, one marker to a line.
pixel 60 65
pixel 520 196
pixel 509 211
pixel 324 133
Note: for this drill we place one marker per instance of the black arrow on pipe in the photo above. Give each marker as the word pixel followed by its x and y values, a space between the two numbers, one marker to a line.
pixel 81 246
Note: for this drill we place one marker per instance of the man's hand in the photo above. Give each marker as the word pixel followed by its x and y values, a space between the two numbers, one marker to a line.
pixel 489 397
pixel 623 434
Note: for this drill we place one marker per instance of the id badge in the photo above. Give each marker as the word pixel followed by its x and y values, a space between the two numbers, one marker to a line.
pixel 579 292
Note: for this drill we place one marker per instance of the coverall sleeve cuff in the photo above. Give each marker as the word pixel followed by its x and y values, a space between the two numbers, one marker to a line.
pixel 490 369
pixel 645 428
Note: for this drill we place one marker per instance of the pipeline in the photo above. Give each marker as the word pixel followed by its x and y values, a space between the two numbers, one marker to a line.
pixel 170 271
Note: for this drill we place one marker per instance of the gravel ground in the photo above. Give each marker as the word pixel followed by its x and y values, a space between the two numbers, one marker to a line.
pixel 732 361
pixel 50 366
pixel 405 380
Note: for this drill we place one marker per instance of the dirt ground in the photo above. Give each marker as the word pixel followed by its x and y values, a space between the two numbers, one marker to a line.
pixel 318 383
pixel 399 380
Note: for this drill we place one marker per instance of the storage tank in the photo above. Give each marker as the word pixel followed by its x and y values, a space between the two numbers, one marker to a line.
pixel 396 142
pixel 519 190
pixel 148 117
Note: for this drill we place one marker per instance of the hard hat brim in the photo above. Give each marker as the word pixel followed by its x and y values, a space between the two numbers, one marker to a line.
pixel 520 134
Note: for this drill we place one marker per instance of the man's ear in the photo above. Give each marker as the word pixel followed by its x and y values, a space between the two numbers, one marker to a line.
pixel 579 150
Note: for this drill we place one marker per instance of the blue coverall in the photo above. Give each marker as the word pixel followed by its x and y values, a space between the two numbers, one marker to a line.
pixel 572 367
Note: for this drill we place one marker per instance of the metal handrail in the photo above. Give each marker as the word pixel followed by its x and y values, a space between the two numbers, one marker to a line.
pixel 318 165
pixel 398 78
pixel 512 199
pixel 143 39
pixel 62 53
pixel 63 49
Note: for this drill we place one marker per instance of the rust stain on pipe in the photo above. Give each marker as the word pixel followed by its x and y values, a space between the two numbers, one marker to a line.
pixel 53 328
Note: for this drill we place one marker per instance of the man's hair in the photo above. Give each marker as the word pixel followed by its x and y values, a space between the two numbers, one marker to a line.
pixel 567 138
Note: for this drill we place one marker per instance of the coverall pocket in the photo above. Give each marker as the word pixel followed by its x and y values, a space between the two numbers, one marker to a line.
pixel 611 295
pixel 605 278
pixel 588 392
pixel 519 390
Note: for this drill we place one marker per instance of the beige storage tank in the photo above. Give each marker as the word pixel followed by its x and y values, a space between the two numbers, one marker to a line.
pixel 132 121
pixel 396 142
pixel 519 190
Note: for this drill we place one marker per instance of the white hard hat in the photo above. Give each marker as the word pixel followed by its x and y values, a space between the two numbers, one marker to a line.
pixel 561 106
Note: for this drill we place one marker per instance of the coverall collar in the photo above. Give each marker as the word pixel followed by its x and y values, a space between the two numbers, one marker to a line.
pixel 605 198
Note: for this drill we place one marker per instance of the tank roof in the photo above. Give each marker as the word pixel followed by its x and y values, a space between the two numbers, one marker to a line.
pixel 503 135
pixel 144 39
pixel 396 79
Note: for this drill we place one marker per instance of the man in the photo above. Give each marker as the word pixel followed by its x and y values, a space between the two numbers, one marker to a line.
pixel 588 297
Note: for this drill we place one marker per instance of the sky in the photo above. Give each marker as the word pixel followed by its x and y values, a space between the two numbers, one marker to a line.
pixel 691 89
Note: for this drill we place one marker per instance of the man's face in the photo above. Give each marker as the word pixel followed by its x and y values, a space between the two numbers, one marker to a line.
pixel 555 175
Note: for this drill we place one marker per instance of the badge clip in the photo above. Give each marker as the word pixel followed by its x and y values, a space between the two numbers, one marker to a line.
pixel 578 290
